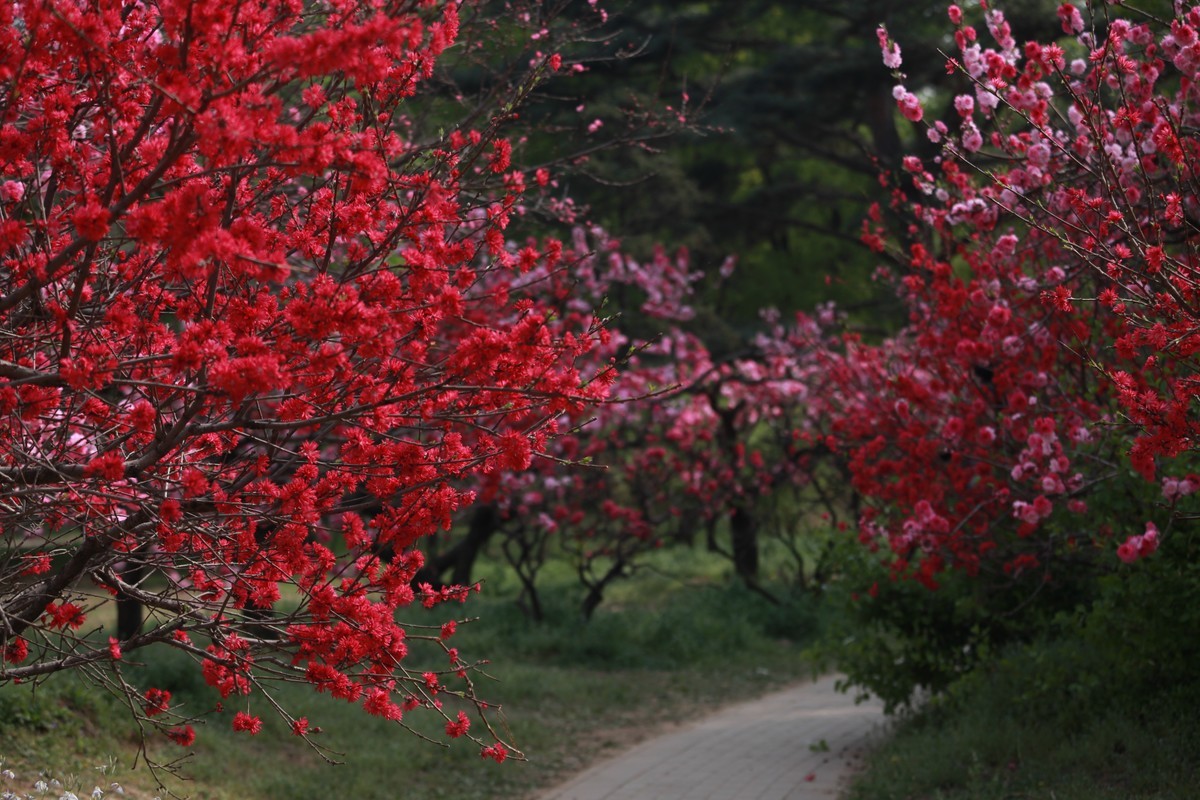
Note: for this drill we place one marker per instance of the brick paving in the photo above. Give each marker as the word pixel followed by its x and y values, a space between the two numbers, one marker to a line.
pixel 799 744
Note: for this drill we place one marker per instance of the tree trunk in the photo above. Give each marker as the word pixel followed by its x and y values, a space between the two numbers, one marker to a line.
pixel 484 522
pixel 744 535
pixel 460 559
pixel 596 588
pixel 129 609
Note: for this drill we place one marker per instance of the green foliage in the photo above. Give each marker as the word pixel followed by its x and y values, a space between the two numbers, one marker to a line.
pixel 1041 722
pixel 900 639
pixel 793 119
pixel 22 707
pixel 904 640
pixel 1093 701
pixel 165 667
pixel 1145 622
pixel 1131 623
pixel 51 705
pixel 698 626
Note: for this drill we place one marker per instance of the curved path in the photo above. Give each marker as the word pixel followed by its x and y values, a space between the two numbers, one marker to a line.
pixel 799 744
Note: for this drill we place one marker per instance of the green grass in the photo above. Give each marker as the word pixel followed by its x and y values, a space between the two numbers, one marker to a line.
pixel 1003 736
pixel 667 648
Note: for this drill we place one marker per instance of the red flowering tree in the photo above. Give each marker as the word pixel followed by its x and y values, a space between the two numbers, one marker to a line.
pixel 1034 423
pixel 259 322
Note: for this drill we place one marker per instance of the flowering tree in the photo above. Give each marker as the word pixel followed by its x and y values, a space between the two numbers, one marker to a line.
pixel 1034 420
pixel 619 500
pixel 689 443
pixel 258 324
pixel 1074 226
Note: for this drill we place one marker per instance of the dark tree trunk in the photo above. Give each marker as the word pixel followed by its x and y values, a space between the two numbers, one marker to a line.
pixel 529 601
pixel 129 617
pixel 744 534
pixel 460 559
pixel 484 522
pixel 592 601
pixel 881 120
pixel 129 609
pixel 596 588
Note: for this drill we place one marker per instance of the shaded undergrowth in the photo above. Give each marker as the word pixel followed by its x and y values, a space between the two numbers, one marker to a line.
pixel 1020 729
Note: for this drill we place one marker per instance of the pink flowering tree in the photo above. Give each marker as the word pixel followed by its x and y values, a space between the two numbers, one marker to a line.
pixel 688 446
pixel 1033 424
pixel 617 502
pixel 261 322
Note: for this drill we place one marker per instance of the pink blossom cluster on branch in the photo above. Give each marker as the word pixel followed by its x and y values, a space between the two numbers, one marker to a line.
pixel 1049 270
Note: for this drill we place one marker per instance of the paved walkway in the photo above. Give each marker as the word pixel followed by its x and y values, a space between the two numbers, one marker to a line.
pixel 798 744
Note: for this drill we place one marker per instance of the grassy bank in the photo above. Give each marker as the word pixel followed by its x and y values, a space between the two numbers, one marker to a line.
pixel 1008 735
pixel 663 651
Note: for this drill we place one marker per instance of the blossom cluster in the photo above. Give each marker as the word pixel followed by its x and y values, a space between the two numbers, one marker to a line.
pixel 1049 271
pixel 259 326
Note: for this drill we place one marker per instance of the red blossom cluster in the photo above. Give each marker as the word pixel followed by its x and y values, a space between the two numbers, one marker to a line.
pixel 259 324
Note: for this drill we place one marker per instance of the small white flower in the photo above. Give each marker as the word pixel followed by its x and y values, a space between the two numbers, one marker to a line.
pixel 8 775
